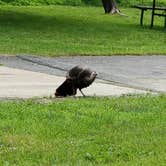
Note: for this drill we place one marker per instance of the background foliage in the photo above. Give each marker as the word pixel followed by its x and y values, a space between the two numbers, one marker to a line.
pixel 76 2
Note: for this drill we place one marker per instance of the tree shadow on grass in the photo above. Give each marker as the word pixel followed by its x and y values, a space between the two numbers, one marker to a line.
pixel 31 22
pixel 39 32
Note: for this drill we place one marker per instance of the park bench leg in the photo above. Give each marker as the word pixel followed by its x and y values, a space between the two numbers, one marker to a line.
pixel 153 12
pixel 152 19
pixel 142 15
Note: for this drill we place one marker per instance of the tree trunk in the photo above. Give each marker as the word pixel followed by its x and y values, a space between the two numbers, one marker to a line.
pixel 110 6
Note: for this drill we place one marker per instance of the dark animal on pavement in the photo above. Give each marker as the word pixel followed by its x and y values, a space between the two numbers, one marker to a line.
pixel 77 78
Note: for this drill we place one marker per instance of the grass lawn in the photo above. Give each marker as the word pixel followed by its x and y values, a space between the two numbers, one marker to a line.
pixel 93 131
pixel 62 30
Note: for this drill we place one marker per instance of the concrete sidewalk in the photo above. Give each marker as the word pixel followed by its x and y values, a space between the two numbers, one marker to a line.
pixel 16 83
pixel 138 72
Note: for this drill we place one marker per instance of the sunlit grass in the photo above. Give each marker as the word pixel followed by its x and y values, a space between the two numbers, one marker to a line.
pixel 93 131
pixel 62 30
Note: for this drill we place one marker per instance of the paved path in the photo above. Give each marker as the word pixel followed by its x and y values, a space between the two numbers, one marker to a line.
pixel 16 83
pixel 124 74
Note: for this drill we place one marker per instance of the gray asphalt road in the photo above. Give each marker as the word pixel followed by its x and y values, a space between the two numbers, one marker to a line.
pixel 141 72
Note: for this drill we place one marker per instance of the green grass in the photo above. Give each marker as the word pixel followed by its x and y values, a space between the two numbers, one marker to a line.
pixel 76 2
pixel 62 30
pixel 93 131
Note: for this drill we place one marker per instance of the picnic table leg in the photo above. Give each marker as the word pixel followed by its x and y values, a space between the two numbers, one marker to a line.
pixel 152 19
pixel 142 15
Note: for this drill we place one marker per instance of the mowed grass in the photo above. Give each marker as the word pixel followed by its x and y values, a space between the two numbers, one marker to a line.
pixel 92 131
pixel 65 30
